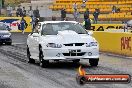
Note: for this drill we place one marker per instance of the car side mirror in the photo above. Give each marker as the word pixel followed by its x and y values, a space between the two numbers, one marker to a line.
pixel 9 29
pixel 90 33
pixel 35 34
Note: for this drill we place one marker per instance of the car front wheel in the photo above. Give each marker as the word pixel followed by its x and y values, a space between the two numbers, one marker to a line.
pixel 30 60
pixel 43 63
pixel 93 62
pixel 9 43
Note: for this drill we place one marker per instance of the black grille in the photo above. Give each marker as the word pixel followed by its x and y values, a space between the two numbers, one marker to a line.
pixel 73 54
pixel 68 44
pixel 79 44
pixel 4 40
pixel 76 44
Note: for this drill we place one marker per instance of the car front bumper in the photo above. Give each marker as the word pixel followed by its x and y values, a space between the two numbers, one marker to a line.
pixel 5 40
pixel 71 53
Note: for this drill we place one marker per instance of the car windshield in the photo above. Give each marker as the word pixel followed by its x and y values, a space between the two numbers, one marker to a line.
pixel 53 28
pixel 2 27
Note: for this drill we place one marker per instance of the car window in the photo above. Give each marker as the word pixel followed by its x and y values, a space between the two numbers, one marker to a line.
pixel 48 30
pixel 53 28
pixel 2 27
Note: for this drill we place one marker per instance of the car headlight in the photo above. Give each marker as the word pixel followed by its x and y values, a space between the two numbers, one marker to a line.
pixel 91 44
pixel 53 45
pixel 6 35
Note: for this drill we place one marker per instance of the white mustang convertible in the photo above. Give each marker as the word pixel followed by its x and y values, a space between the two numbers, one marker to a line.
pixel 61 40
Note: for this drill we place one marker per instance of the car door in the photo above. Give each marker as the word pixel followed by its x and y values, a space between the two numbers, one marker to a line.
pixel 34 44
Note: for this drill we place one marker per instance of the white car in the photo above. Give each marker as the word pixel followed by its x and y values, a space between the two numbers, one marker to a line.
pixel 61 40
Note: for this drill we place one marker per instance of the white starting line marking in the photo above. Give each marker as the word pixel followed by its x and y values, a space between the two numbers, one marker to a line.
pixel 129 57
pixel 18 43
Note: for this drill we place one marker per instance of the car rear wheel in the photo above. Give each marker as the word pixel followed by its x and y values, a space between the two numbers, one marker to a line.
pixel 30 60
pixel 43 63
pixel 93 62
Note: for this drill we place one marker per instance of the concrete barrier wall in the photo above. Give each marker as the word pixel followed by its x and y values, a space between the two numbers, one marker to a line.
pixel 118 43
pixel 103 27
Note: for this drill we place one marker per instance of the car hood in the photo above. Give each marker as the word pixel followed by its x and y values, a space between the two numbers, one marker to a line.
pixel 66 37
pixel 4 32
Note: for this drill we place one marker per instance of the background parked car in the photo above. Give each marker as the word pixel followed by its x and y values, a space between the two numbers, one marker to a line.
pixel 5 35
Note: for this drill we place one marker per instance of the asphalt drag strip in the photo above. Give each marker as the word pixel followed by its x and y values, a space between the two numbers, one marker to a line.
pixel 16 72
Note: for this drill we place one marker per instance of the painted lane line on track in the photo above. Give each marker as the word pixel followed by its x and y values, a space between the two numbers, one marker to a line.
pixel 18 43
pixel 115 55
